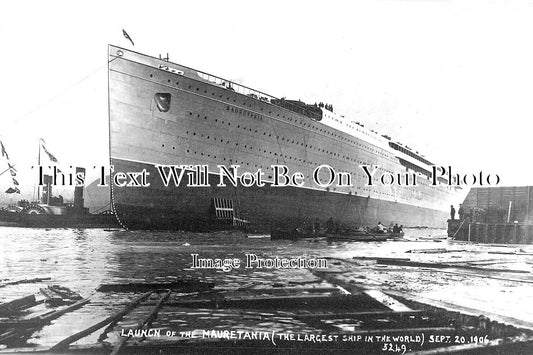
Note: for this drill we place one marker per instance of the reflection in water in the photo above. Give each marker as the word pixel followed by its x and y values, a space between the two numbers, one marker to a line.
pixel 84 259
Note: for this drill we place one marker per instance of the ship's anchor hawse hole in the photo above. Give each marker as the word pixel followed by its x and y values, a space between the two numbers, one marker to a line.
pixel 162 100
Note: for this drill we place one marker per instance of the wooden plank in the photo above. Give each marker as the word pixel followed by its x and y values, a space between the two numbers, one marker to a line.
pixel 387 300
pixel 353 289
pixel 431 251
pixel 281 289
pixel 363 315
pixel 267 302
pixel 406 331
pixel 15 305
pixel 411 263
pixel 374 294
pixel 446 265
pixel 148 319
pixel 494 346
pixel 111 319
pixel 487 276
pixel 46 317
pixel 462 309
pixel 510 253
pixel 181 285
pixel 51 297
pixel 7 335
pixel 377 258
pixel 65 293
pixel 25 281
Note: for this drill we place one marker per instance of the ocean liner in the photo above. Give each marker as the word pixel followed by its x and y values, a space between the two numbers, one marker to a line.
pixel 166 114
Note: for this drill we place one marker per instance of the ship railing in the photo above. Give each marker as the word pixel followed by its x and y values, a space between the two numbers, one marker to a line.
pixel 241 89
pixel 258 95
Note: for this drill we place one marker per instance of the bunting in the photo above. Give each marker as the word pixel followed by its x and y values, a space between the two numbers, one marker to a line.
pixel 4 153
pixel 50 155
pixel 13 190
pixel 12 171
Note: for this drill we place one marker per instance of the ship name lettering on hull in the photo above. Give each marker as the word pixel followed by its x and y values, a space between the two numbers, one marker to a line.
pixel 240 111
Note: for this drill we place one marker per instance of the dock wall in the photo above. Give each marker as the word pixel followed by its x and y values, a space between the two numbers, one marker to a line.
pixel 498 233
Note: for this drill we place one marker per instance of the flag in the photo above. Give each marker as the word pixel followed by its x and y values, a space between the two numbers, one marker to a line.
pixel 50 155
pixel 52 158
pixel 4 150
pixel 13 190
pixel 127 37
pixel 12 170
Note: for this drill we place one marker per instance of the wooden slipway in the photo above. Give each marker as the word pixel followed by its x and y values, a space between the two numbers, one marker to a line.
pixel 332 305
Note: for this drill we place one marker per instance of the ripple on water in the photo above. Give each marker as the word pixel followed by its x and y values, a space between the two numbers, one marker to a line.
pixel 84 259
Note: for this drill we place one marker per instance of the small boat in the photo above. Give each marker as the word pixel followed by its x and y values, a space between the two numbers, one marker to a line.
pixel 297 233
pixel 258 236
pixel 361 236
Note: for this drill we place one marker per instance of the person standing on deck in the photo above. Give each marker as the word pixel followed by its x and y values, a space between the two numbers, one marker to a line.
pixel 452 213
pixel 461 212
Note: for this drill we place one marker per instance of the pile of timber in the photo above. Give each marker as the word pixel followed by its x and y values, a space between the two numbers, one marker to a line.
pixel 59 295
pixel 16 326
pixel 25 281
pixel 334 306
pixel 182 284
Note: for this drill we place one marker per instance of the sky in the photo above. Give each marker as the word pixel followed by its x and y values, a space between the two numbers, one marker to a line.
pixel 451 79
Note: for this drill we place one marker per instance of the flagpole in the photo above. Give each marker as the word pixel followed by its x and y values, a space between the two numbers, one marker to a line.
pixel 39 168
pixel 3 172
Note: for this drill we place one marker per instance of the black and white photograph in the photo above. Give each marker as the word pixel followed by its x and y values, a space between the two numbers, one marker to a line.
pixel 266 177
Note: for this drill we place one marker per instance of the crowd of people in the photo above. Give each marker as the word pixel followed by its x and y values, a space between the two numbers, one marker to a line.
pixel 328 107
pixel 476 214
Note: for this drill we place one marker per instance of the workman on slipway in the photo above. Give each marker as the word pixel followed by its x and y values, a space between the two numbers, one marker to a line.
pixel 452 213
pixel 461 212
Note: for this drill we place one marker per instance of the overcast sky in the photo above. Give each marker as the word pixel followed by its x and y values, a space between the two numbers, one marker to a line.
pixel 451 79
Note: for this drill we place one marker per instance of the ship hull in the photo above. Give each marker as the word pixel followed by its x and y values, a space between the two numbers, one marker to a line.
pixel 183 207
pixel 162 113
pixel 14 219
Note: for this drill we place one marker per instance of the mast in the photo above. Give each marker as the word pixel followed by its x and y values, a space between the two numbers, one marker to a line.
pixel 5 171
pixel 39 167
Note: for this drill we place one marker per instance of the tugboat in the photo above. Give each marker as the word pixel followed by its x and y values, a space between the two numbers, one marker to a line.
pixel 52 212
